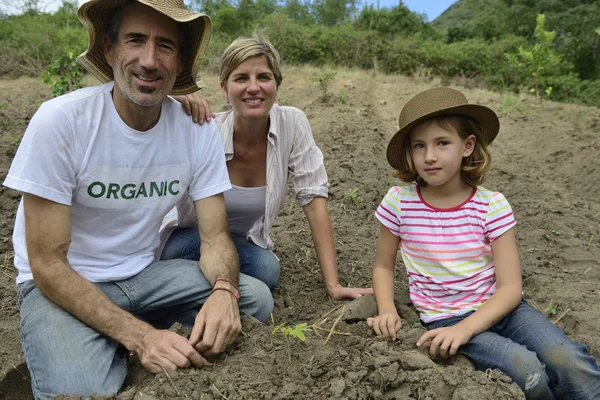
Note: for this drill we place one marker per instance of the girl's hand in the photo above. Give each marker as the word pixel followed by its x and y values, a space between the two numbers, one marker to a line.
pixel 196 106
pixel 386 324
pixel 338 292
pixel 447 340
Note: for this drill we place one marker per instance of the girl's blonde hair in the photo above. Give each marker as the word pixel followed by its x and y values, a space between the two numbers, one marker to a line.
pixel 474 167
pixel 244 48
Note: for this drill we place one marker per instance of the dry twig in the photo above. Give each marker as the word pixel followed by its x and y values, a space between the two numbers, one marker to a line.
pixel 561 316
pixel 170 380
pixel 334 324
pixel 219 392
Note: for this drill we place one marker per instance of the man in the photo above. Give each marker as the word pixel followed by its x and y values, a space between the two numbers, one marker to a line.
pixel 99 169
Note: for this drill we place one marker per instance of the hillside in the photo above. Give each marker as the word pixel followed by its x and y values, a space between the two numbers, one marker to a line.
pixel 545 162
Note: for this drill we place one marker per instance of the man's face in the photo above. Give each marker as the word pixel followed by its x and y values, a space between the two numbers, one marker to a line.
pixel 145 59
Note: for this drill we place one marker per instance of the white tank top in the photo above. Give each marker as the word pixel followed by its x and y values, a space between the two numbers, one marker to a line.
pixel 245 205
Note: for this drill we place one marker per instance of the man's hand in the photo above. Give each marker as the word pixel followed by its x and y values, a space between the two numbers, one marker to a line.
pixel 386 324
pixel 217 324
pixel 163 349
pixel 196 106
pixel 447 340
pixel 338 292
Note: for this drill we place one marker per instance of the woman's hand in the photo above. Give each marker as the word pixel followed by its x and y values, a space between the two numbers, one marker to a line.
pixel 386 324
pixel 338 292
pixel 196 106
pixel 447 340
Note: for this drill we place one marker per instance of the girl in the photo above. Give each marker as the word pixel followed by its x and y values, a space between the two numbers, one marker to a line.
pixel 458 244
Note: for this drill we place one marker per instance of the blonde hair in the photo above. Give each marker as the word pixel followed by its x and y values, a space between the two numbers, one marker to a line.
pixel 474 167
pixel 244 48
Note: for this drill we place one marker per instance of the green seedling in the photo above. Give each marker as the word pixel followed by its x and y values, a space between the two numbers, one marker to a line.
pixel 324 80
pixel 551 308
pixel 418 325
pixel 589 242
pixel 555 232
pixel 289 333
pixel 352 196
pixel 343 96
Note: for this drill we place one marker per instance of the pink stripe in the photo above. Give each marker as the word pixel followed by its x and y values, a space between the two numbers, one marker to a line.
pixel 485 292
pixel 443 218
pixel 442 226
pixel 387 219
pixel 454 281
pixel 500 227
pixel 500 218
pixel 439 243
pixel 436 211
pixel 485 278
pixel 442 234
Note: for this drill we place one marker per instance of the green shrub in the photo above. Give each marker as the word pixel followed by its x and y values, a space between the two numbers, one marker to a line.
pixel 64 75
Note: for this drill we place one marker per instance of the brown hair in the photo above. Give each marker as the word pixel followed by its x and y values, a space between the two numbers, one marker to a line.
pixel 474 167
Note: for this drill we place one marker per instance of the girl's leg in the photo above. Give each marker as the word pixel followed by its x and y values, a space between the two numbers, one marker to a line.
pixel 257 262
pixel 490 350
pixel 183 243
pixel 574 373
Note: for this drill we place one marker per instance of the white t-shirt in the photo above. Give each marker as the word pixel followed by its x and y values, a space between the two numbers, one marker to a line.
pixel 119 182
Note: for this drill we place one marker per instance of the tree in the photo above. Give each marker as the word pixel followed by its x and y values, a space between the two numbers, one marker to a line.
pixel 333 12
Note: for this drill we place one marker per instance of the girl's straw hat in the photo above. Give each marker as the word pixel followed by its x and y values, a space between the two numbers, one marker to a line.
pixel 435 102
pixel 95 14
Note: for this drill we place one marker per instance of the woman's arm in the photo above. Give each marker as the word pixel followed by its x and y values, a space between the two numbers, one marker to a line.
pixel 387 323
pixel 503 301
pixel 322 234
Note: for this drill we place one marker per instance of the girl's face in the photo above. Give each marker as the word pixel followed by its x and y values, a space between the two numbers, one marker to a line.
pixel 437 154
pixel 251 89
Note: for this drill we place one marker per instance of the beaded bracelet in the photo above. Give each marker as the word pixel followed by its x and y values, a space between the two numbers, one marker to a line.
pixel 235 296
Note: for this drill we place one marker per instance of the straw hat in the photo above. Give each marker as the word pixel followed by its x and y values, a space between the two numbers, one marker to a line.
pixel 95 14
pixel 435 102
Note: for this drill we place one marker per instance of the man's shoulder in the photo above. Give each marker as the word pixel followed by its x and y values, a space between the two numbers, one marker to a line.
pixel 76 100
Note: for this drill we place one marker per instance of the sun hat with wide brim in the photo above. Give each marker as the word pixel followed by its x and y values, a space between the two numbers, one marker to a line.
pixel 435 102
pixel 95 15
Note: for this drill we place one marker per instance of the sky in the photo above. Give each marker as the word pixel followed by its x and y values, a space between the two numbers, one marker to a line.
pixel 431 8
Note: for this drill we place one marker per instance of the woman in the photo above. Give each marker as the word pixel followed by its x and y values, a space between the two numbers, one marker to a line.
pixel 263 143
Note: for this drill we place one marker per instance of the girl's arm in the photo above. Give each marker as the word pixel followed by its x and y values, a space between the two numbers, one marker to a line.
pixel 503 301
pixel 322 234
pixel 387 323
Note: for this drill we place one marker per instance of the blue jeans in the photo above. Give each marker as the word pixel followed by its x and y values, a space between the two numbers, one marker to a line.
pixel 537 355
pixel 66 356
pixel 255 261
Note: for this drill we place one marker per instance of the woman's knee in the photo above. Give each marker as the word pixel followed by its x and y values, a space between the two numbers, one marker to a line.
pixel 256 299
pixel 183 243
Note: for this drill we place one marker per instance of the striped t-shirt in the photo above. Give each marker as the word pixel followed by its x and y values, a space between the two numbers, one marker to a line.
pixel 447 252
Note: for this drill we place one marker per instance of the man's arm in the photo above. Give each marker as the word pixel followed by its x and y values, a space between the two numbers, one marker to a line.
pixel 48 236
pixel 218 322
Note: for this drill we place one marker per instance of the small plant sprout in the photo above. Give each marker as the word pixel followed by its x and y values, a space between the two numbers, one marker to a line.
pixel 588 243
pixel 324 80
pixel 343 96
pixel 551 308
pixel 352 195
pixel 289 333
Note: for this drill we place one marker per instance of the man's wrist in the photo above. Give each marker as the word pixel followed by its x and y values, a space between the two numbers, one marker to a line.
pixel 227 285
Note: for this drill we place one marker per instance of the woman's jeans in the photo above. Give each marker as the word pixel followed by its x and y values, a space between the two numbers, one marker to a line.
pixel 255 261
pixel 64 355
pixel 537 355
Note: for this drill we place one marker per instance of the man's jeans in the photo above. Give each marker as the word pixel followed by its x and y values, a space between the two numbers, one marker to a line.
pixel 66 356
pixel 537 355
pixel 255 261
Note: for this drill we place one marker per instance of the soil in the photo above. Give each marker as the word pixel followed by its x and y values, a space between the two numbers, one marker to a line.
pixel 545 162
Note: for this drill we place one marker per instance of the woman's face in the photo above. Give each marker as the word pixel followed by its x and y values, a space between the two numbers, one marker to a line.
pixel 251 88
